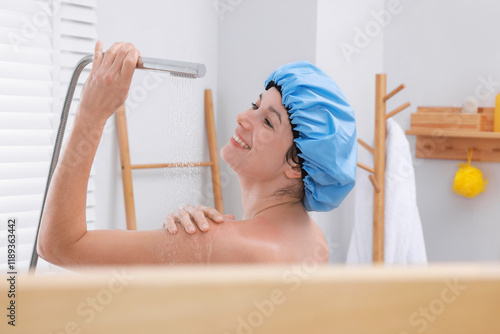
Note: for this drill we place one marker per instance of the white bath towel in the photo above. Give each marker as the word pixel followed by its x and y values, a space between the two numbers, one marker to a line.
pixel 403 236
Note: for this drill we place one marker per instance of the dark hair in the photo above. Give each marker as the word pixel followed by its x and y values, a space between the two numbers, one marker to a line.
pixel 292 158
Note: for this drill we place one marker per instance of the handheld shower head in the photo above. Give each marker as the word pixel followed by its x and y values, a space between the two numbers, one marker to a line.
pixel 174 67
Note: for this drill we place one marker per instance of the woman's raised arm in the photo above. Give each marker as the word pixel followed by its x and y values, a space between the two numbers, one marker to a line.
pixel 63 221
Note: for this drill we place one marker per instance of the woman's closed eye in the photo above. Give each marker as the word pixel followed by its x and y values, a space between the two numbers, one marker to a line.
pixel 267 121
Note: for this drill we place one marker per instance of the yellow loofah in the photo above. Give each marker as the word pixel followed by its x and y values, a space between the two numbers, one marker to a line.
pixel 468 180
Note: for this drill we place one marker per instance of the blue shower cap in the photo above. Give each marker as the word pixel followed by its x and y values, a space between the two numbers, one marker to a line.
pixel 325 132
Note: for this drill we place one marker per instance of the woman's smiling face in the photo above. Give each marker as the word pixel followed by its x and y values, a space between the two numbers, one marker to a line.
pixel 262 138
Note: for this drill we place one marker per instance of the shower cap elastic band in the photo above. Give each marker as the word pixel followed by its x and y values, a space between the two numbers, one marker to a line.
pixel 325 129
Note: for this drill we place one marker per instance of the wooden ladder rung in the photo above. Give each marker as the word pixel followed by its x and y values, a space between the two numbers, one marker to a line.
pixel 173 165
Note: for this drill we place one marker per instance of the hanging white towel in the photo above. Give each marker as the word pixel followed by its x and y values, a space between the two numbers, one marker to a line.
pixel 403 236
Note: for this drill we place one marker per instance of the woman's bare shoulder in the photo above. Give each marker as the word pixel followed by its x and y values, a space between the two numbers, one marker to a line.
pixel 242 241
pixel 262 240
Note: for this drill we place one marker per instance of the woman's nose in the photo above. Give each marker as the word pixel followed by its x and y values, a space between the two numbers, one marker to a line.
pixel 244 119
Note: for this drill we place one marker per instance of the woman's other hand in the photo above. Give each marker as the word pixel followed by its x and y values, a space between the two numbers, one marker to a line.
pixel 108 84
pixel 189 215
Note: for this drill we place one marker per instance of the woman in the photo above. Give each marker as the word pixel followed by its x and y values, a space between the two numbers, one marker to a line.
pixel 282 171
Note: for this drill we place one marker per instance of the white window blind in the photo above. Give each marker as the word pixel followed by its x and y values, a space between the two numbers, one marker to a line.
pixel 40 43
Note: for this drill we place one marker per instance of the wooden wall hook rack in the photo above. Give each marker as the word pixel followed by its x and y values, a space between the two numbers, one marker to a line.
pixel 377 176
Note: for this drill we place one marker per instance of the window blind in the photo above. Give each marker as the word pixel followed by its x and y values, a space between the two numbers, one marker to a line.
pixel 40 43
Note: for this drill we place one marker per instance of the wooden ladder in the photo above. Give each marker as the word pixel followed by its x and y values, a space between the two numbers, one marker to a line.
pixel 127 167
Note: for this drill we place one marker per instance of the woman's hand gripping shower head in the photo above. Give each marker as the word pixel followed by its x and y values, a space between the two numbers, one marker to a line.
pixel 108 84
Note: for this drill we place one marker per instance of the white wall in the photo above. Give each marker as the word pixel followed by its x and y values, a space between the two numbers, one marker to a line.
pixel 441 50
pixel 180 30
pixel 255 38
pixel 337 29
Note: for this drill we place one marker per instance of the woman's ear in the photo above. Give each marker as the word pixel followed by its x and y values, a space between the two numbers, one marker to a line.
pixel 293 172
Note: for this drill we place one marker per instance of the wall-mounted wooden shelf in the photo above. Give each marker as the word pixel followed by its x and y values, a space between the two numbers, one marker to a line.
pixel 448 134
pixel 454 133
